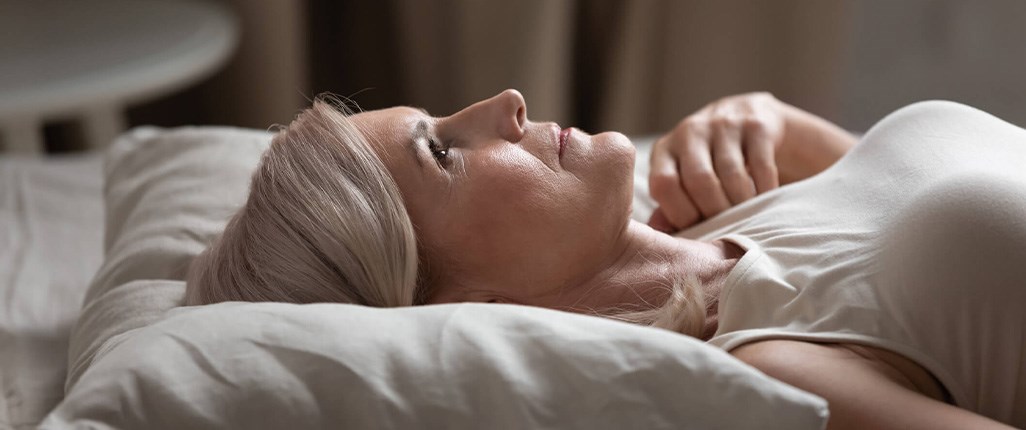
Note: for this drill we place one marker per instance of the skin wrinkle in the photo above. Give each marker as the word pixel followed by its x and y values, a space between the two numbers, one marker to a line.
pixel 617 267
pixel 637 296
pixel 519 225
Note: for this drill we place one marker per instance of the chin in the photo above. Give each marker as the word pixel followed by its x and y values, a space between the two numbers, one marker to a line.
pixel 614 167
pixel 617 150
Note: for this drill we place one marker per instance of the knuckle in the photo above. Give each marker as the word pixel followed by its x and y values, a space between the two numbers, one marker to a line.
pixel 727 168
pixel 674 139
pixel 754 123
pixel 732 174
pixel 727 122
pixel 759 96
pixel 694 122
pixel 662 184
pixel 660 146
pixel 763 164
pixel 728 172
pixel 701 178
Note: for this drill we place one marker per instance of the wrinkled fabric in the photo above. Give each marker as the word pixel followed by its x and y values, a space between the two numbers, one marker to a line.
pixel 51 226
pixel 914 242
pixel 456 366
pixel 139 360
pixel 167 194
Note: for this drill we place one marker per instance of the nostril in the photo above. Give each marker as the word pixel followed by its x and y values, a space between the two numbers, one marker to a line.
pixel 521 117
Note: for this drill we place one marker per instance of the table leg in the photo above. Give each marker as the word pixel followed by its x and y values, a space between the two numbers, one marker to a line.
pixel 101 124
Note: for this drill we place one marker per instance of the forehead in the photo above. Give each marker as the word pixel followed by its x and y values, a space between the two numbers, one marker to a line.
pixel 389 133
pixel 388 130
pixel 382 123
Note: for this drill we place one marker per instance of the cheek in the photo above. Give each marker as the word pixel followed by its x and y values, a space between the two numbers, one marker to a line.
pixel 513 195
pixel 494 212
pixel 506 205
pixel 516 195
pixel 518 211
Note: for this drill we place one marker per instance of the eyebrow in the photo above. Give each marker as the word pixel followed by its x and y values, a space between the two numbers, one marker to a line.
pixel 419 132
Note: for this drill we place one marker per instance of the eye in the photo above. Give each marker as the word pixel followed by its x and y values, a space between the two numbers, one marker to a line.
pixel 440 151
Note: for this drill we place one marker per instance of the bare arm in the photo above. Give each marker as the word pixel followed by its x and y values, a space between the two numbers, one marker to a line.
pixel 810 144
pixel 733 149
pixel 860 395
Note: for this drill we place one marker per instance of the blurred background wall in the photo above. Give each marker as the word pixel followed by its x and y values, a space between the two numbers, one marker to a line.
pixel 636 66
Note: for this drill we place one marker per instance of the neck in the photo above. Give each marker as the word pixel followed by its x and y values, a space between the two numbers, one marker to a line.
pixel 647 259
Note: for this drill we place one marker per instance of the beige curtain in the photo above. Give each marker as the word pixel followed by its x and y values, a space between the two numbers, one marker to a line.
pixel 267 82
pixel 672 57
pixel 460 51
pixel 636 66
pixel 900 52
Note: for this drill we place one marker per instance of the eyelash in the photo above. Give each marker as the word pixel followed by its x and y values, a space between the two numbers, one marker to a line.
pixel 440 151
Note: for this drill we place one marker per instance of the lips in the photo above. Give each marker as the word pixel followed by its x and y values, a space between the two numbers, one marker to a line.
pixel 564 137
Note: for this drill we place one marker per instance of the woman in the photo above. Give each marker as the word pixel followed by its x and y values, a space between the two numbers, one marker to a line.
pixel 888 282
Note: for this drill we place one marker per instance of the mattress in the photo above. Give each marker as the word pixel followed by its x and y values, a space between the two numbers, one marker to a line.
pixel 51 239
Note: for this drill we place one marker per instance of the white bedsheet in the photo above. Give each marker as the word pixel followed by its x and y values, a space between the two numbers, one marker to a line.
pixel 51 238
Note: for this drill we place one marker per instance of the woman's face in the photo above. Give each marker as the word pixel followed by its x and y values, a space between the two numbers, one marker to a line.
pixel 506 209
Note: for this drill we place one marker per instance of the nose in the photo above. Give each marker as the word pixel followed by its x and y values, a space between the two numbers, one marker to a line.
pixel 504 114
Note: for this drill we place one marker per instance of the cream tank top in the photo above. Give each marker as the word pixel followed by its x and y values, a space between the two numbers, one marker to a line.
pixel 913 242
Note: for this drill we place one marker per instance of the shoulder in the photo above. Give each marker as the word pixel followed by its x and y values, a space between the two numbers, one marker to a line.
pixel 836 375
pixel 856 382
pixel 790 360
pixel 811 364
pixel 769 351
pixel 824 368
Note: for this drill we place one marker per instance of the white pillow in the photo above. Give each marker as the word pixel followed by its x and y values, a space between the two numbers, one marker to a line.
pixel 643 204
pixel 140 360
pixel 167 193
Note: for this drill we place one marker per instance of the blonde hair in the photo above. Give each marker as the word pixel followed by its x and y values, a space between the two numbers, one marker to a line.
pixel 683 312
pixel 325 222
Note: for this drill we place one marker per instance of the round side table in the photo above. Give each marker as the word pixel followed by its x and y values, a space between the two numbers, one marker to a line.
pixel 88 60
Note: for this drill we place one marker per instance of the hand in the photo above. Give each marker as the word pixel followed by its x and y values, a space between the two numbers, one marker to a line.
pixel 715 158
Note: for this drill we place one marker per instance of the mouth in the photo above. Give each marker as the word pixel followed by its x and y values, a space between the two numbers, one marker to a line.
pixel 564 138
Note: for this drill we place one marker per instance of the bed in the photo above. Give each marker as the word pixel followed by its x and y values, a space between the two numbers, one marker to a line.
pixel 51 243
pixel 92 332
